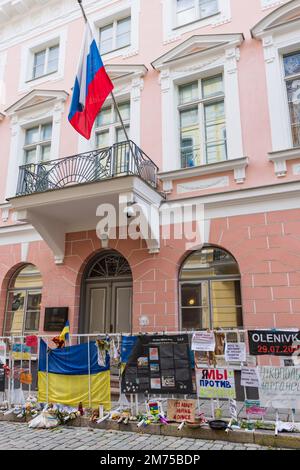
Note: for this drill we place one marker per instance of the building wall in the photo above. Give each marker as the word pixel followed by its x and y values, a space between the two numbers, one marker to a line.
pixel 266 247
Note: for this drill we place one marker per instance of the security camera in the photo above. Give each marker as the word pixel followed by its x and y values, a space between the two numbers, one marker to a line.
pixel 129 211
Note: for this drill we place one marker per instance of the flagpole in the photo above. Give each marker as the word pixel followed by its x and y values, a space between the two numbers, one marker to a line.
pixel 112 95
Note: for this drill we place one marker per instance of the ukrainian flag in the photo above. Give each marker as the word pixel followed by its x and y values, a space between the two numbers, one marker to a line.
pixel 65 334
pixel 67 374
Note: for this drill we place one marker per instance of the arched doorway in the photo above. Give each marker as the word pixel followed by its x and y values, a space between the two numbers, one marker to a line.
pixel 107 295
pixel 23 305
pixel 210 290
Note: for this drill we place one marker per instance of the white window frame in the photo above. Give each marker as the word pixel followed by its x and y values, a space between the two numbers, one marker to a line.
pixel 222 59
pixel 38 146
pixel 277 42
pixel 23 118
pixel 114 25
pixel 46 63
pixel 173 32
pixel 197 15
pixel 200 103
pixel 111 13
pixel 28 51
pixel 114 125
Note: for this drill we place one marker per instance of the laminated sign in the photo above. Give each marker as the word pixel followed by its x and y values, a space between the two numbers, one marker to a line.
pixel 215 383
pixel 203 341
pixel 159 364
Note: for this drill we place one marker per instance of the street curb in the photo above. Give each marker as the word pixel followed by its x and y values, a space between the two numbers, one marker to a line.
pixel 258 437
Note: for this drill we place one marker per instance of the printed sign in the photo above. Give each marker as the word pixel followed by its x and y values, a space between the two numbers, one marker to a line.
pixel 254 408
pixel 279 387
pixel 235 352
pixel 182 410
pixel 249 377
pixel 215 383
pixel 203 341
pixel 159 364
pixel 273 343
pixel 2 353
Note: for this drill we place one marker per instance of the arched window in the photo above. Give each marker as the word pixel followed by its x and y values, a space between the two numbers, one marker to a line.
pixel 23 302
pixel 210 290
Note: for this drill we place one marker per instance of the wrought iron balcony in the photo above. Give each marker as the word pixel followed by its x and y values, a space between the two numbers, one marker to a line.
pixel 122 159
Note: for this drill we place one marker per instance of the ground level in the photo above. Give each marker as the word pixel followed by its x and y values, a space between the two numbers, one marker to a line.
pixel 15 436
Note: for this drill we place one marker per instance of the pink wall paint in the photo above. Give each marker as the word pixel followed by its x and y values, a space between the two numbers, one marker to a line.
pixel 266 247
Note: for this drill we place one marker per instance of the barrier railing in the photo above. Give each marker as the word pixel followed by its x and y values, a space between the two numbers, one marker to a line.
pixel 22 371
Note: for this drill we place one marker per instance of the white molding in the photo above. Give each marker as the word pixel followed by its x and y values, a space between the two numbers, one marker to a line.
pixel 216 54
pixel 238 166
pixel 279 35
pixel 27 56
pixel 15 234
pixel 281 157
pixel 273 198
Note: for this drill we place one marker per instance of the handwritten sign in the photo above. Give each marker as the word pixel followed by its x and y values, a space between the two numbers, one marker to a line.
pixel 203 341
pixel 182 410
pixel 215 383
pixel 235 352
pixel 280 387
pixel 249 377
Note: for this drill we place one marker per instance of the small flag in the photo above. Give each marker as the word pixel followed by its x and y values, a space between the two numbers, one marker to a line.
pixel 92 86
pixel 64 336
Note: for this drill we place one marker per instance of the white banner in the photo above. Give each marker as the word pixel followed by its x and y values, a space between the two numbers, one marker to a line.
pixel 235 352
pixel 203 341
pixel 250 377
pixel 280 387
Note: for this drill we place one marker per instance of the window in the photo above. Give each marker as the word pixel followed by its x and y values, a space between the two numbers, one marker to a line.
pixel 45 62
pixel 37 146
pixel 115 35
pixel 24 302
pixel 108 127
pixel 292 80
pixel 191 10
pixel 210 290
pixel 202 122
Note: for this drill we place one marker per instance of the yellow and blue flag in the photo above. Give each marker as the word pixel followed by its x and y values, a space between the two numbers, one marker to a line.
pixel 65 334
pixel 72 375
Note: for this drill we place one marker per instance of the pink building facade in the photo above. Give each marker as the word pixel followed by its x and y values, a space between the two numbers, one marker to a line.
pixel 209 92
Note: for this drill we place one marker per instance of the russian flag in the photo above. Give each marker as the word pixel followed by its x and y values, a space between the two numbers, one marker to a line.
pixel 92 86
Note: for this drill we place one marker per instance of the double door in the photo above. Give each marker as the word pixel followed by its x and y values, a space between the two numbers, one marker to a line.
pixel 108 307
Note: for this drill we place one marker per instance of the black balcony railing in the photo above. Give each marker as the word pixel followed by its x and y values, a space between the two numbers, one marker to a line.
pixel 122 159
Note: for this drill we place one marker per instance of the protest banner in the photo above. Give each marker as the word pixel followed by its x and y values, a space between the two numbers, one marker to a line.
pixel 279 387
pixel 235 352
pixel 203 341
pixel 249 377
pixel 273 343
pixel 181 410
pixel 215 383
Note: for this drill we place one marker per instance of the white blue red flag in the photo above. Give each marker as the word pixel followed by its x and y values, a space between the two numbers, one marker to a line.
pixel 92 86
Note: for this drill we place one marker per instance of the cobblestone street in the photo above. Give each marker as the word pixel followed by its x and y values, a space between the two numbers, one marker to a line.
pixel 15 436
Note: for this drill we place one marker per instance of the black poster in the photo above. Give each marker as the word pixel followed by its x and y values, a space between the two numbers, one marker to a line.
pixel 273 342
pixel 159 364
pixel 2 379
